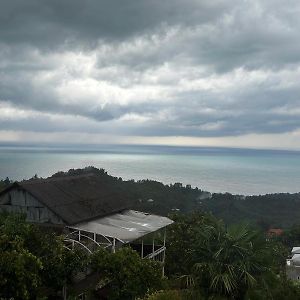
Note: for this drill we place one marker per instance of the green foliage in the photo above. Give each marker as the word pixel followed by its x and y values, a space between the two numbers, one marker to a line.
pixel 128 274
pixel 59 263
pixel 277 288
pixel 184 294
pixel 291 236
pixel 19 275
pixel 218 261
pixel 231 261
pixel 166 197
pixel 31 259
pixel 165 295
pixel 221 261
pixel 279 210
pixel 19 268
pixel 180 241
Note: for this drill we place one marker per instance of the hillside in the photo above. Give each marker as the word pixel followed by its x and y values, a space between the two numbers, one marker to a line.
pixel 279 210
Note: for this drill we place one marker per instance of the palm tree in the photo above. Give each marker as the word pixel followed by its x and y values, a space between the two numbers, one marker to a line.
pixel 227 262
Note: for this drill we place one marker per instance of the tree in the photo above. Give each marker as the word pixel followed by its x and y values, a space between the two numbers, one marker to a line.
pixel 19 269
pixel 229 262
pixel 181 238
pixel 129 276
pixel 31 259
pixel 220 261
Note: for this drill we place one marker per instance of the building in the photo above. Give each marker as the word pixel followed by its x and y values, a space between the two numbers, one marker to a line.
pixel 293 265
pixel 90 211
pixel 274 232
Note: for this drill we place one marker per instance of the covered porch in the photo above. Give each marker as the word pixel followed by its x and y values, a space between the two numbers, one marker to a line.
pixel 145 233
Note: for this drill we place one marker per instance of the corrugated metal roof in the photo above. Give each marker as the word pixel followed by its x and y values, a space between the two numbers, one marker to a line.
pixel 127 226
pixel 78 198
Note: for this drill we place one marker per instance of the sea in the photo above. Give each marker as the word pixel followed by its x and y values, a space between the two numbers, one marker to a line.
pixel 237 171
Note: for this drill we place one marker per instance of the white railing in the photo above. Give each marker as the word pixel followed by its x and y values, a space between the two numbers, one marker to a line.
pixel 73 242
pixel 86 242
pixel 158 254
pixel 79 235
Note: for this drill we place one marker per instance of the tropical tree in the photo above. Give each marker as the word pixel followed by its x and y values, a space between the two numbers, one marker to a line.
pixel 230 261
pixel 222 261
pixel 129 276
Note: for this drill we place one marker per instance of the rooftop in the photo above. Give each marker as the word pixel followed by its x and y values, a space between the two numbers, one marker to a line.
pixel 77 198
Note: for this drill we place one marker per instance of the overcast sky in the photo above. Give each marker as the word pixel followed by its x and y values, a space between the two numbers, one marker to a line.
pixel 178 72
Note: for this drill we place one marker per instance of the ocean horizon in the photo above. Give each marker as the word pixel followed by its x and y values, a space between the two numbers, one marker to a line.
pixel 213 169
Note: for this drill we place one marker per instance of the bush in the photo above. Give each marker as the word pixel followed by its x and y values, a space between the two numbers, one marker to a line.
pixel 129 275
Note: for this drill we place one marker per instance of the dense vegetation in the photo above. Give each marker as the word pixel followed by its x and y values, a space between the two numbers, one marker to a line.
pixel 205 260
pixel 33 260
pixel 34 264
pixel 220 262
pixel 211 253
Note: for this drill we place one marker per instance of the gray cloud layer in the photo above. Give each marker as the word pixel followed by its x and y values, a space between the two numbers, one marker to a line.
pixel 150 68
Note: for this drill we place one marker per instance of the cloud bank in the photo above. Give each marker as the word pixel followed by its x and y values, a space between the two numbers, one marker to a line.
pixel 151 71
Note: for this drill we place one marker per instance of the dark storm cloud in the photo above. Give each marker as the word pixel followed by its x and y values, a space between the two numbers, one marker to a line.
pixel 150 68
pixel 74 21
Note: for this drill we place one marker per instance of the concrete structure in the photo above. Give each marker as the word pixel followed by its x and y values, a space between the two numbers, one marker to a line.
pixel 293 265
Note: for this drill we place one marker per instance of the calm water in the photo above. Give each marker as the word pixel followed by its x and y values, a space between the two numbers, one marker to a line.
pixel 217 170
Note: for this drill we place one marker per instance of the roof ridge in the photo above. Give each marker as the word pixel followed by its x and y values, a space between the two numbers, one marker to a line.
pixel 58 178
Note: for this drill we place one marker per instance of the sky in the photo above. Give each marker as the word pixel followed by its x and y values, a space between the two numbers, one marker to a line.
pixel 190 73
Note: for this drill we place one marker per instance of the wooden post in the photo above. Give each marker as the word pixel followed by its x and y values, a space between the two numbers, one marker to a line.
pixel 142 254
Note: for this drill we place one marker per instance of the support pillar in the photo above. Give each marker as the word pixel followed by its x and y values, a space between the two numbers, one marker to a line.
pixel 64 292
pixel 164 254
pixel 114 246
pixel 153 248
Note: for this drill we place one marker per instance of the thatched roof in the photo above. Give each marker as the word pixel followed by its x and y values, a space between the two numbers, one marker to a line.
pixel 77 198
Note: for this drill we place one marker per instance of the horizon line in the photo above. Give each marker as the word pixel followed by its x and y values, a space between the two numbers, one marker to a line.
pixel 89 147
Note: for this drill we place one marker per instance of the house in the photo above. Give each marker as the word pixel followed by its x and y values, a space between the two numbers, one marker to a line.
pixel 89 210
pixel 274 232
pixel 293 265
